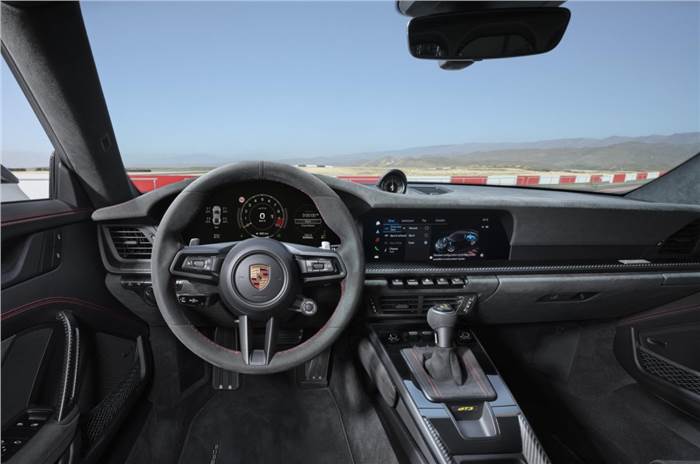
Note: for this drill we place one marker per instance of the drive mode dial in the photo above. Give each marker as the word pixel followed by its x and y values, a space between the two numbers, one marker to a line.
pixel 262 215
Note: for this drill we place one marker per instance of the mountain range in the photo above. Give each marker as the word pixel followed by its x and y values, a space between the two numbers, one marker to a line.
pixel 610 153
pixel 651 152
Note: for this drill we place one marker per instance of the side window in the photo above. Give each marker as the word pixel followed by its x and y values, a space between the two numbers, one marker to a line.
pixel 25 148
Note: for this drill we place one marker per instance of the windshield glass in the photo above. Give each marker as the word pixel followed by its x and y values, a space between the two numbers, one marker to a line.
pixel 332 87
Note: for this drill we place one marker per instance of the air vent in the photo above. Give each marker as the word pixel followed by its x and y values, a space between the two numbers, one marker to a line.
pixel 401 304
pixel 131 243
pixel 683 242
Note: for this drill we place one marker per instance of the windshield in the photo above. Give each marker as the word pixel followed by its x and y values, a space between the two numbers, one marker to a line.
pixel 332 87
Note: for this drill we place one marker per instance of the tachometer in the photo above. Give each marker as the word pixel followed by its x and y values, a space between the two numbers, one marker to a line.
pixel 261 215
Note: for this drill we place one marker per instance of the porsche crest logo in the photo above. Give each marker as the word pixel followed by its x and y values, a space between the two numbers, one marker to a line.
pixel 259 276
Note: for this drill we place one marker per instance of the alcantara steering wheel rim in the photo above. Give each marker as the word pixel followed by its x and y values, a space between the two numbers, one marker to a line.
pixel 168 247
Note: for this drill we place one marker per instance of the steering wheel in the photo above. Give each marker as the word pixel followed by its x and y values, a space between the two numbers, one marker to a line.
pixel 259 278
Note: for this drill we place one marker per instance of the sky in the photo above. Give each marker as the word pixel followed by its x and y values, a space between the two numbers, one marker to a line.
pixel 275 80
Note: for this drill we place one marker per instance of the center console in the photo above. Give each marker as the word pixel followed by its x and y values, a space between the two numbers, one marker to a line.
pixel 486 427
pixel 435 378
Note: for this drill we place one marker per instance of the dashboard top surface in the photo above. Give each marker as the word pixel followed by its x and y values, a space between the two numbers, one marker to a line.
pixel 541 225
pixel 360 198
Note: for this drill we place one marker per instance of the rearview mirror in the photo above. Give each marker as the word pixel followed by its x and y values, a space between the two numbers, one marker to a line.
pixel 479 35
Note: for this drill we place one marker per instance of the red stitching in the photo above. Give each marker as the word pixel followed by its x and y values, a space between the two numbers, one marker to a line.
pixel 43 216
pixel 477 374
pixel 645 317
pixel 207 339
pixel 53 300
pixel 420 371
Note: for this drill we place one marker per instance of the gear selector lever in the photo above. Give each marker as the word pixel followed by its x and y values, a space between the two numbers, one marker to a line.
pixel 442 319
pixel 444 363
pixel 447 373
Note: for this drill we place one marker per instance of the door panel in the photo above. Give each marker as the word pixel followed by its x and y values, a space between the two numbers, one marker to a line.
pixel 30 256
pixel 22 362
pixel 74 360
pixel 661 350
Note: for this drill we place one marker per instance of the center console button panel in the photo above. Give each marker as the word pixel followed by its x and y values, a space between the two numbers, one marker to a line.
pixel 426 282
pixel 396 296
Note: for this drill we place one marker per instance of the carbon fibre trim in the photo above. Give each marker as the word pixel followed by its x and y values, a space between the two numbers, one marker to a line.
pixel 71 364
pixel 384 269
pixel 533 453
pixel 441 448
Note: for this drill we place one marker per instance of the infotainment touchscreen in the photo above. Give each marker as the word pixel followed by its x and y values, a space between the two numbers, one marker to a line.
pixel 434 236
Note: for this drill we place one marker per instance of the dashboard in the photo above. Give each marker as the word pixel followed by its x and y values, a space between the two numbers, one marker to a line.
pixel 468 226
pixel 260 209
pixel 519 254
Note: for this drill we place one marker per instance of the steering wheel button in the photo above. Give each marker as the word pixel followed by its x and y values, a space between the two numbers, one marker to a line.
pixel 198 263
pixel 310 265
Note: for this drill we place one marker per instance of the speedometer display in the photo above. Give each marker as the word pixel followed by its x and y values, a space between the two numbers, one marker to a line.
pixel 260 209
pixel 261 215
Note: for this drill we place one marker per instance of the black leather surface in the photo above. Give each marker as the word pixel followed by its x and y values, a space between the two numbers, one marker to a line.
pixel 476 386
pixel 443 365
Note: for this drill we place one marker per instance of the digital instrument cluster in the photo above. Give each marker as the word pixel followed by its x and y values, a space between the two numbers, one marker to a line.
pixel 260 209
pixel 429 236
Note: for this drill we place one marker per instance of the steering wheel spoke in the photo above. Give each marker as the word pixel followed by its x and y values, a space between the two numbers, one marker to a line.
pixel 251 355
pixel 317 265
pixel 200 262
